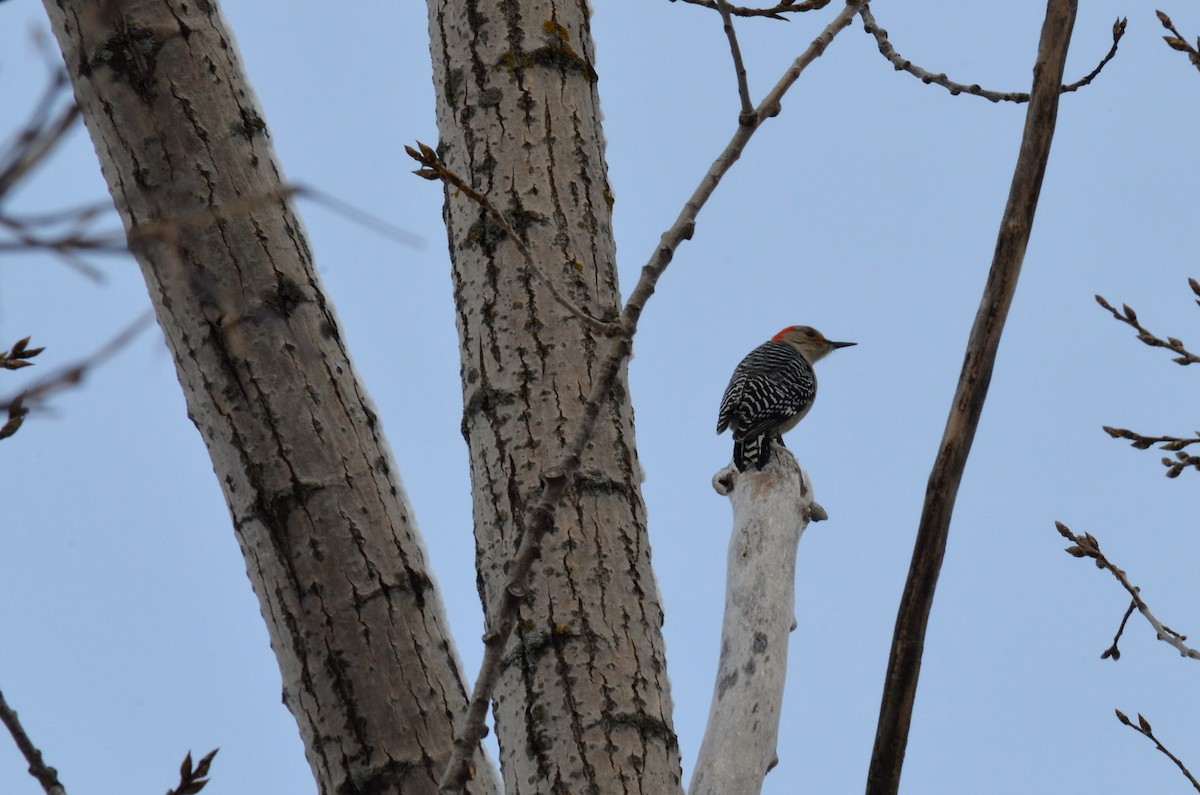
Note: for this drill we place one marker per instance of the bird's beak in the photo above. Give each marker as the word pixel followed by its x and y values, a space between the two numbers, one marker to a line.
pixel 836 345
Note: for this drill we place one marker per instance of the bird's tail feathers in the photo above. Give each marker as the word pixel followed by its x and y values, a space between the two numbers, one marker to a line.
pixel 755 451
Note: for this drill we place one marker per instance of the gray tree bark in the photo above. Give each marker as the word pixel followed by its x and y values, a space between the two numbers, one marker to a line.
pixel 368 668
pixel 771 509
pixel 583 704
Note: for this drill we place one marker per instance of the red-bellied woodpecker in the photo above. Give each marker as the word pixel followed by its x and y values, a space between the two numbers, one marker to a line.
pixel 770 391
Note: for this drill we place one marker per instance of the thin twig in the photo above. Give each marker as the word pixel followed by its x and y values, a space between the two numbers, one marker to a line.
pixel 1175 444
pixel 1141 442
pixel 72 374
pixel 1118 30
pixel 773 12
pixel 45 775
pixel 502 617
pixel 1127 316
pixel 113 242
pixel 1182 461
pixel 904 65
pixel 16 358
pixel 29 147
pixel 1086 546
pixel 1176 40
pixel 19 156
pixel 104 243
pixel 192 780
pixel 78 215
pixel 747 114
pixel 908 640
pixel 1113 652
pixel 359 216
pixel 433 168
pixel 1143 728
pixel 39 232
pixel 1183 357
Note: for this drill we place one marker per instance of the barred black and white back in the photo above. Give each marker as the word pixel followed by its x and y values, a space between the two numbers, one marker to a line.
pixel 770 391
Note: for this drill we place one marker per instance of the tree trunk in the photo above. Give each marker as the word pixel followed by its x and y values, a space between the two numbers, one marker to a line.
pixel 368 668
pixel 771 509
pixel 583 704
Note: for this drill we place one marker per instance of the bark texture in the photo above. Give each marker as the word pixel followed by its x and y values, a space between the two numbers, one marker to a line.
pixel 771 509
pixel 319 512
pixel 583 704
pixel 1016 225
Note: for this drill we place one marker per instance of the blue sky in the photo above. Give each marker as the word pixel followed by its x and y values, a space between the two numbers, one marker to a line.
pixel 868 209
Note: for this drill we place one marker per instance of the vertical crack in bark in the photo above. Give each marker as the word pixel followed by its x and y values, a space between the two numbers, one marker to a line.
pixel 601 285
pixel 560 635
pixel 562 240
pixel 513 60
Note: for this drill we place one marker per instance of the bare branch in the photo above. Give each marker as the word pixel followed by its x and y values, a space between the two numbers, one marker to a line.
pixel 1113 652
pixel 45 128
pixel 1086 546
pixel 36 232
pixel 29 147
pixel 19 355
pixel 1175 444
pixel 1127 316
pixel 1177 41
pixel 773 12
pixel 502 617
pixel 17 405
pixel 1118 30
pixel 45 775
pixel 16 358
pixel 1182 461
pixel 81 214
pixel 904 65
pixel 685 222
pixel 904 662
pixel 1143 442
pixel 67 246
pixel 747 115
pixel 358 216
pixel 1143 728
pixel 192 780
pixel 16 417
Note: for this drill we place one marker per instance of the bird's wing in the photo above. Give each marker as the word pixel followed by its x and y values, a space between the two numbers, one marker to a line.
pixel 771 385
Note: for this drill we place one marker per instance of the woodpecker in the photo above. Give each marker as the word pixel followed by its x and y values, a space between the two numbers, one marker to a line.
pixel 770 391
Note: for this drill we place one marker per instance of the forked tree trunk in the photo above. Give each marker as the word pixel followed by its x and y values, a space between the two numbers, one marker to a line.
pixel 583 704
pixel 368 668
